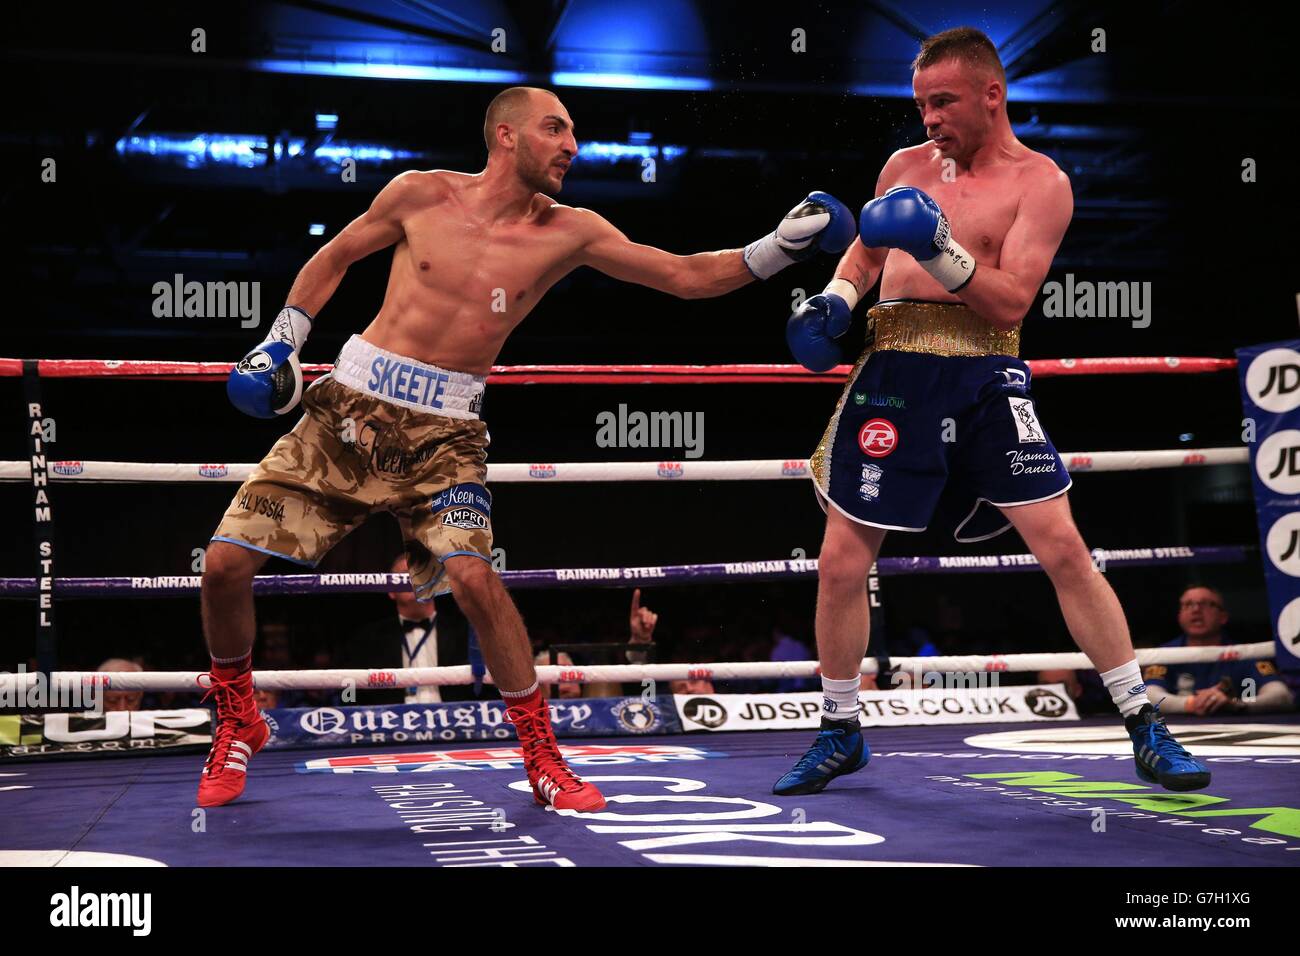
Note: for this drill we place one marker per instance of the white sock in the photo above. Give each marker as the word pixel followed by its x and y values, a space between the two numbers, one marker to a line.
pixel 840 698
pixel 1126 688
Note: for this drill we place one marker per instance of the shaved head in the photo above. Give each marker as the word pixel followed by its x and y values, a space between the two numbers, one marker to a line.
pixel 509 106
pixel 529 132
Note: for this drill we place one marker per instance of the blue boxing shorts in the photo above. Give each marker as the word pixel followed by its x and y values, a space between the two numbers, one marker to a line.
pixel 939 401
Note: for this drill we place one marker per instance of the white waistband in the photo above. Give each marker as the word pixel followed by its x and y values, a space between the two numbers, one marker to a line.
pixel 404 381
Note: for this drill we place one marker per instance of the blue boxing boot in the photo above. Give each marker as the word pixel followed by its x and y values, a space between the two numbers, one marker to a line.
pixel 1160 758
pixel 838 749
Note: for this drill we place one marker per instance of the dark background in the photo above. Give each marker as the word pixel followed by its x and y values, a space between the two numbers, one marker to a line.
pixel 1153 133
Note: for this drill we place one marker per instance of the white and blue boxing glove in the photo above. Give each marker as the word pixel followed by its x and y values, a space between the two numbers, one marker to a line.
pixel 821 223
pixel 906 218
pixel 268 380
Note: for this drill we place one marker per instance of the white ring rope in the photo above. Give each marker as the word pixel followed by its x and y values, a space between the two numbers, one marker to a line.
pixel 757 469
pixel 619 673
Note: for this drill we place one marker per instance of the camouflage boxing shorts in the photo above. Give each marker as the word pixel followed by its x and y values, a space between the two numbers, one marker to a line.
pixel 380 433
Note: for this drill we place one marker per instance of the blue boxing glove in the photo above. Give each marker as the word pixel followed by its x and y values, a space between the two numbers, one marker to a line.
pixel 821 223
pixel 906 218
pixel 268 380
pixel 812 329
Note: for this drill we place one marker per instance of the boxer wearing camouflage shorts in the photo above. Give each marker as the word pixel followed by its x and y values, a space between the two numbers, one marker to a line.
pixel 396 428
pixel 365 445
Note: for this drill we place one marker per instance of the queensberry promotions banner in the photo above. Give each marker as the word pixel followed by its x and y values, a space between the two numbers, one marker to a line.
pixel 1270 399
pixel 466 720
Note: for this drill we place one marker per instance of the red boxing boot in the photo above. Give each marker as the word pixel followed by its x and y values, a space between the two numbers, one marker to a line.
pixel 238 733
pixel 553 782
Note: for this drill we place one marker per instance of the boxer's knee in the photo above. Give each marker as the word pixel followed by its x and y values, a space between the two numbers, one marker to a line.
pixel 473 582
pixel 228 568
pixel 842 569
pixel 1063 555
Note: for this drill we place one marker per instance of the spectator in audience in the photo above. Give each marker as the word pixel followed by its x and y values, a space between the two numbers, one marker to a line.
pixel 410 637
pixel 121 699
pixel 542 638
pixel 1213 687
pixel 786 647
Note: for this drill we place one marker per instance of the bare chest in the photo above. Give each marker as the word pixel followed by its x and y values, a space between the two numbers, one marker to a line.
pixel 508 263
pixel 981 209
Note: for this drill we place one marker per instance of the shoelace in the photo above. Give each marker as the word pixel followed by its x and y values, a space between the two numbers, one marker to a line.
pixel 1163 741
pixel 540 751
pixel 232 710
pixel 820 750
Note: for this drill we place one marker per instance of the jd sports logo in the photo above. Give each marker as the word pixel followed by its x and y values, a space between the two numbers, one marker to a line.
pixel 1273 380
pixel 706 711
pixel 1286 462
pixel 1277 463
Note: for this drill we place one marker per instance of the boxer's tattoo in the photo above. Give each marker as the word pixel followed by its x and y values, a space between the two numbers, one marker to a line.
pixel 861 280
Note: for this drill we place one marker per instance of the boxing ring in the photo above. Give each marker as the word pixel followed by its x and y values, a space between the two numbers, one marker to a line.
pixel 687 776
pixel 930 797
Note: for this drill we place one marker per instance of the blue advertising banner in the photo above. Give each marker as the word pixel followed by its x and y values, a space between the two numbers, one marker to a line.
pixel 1270 399
pixel 465 720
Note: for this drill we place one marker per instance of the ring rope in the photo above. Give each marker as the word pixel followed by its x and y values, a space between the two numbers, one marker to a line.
pixel 613 374
pixel 733 571
pixel 380 679
pixel 756 469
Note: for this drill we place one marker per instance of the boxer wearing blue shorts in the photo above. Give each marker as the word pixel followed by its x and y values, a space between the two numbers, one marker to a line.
pixel 941 399
pixel 938 400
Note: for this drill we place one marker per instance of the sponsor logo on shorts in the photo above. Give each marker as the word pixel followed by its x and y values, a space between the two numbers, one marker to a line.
pixel 878 437
pixel 868 492
pixel 670 469
pixel 541 471
pixel 395 460
pixel 794 468
pixel 1014 378
pixel 872 472
pixel 68 467
pixel 1027 427
pixel 272 508
pixel 476 403
pixel 465 518
pixel 407 382
pixel 213 471
pixel 469 495
pixel 1031 462
pixel 879 400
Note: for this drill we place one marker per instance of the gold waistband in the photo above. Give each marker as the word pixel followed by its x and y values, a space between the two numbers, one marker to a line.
pixel 939 328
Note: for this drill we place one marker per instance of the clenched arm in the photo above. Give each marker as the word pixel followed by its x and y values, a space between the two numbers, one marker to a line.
pixel 699 276
pixel 1003 295
pixel 377 227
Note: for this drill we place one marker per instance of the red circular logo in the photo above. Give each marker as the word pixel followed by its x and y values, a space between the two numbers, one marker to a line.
pixel 878 437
